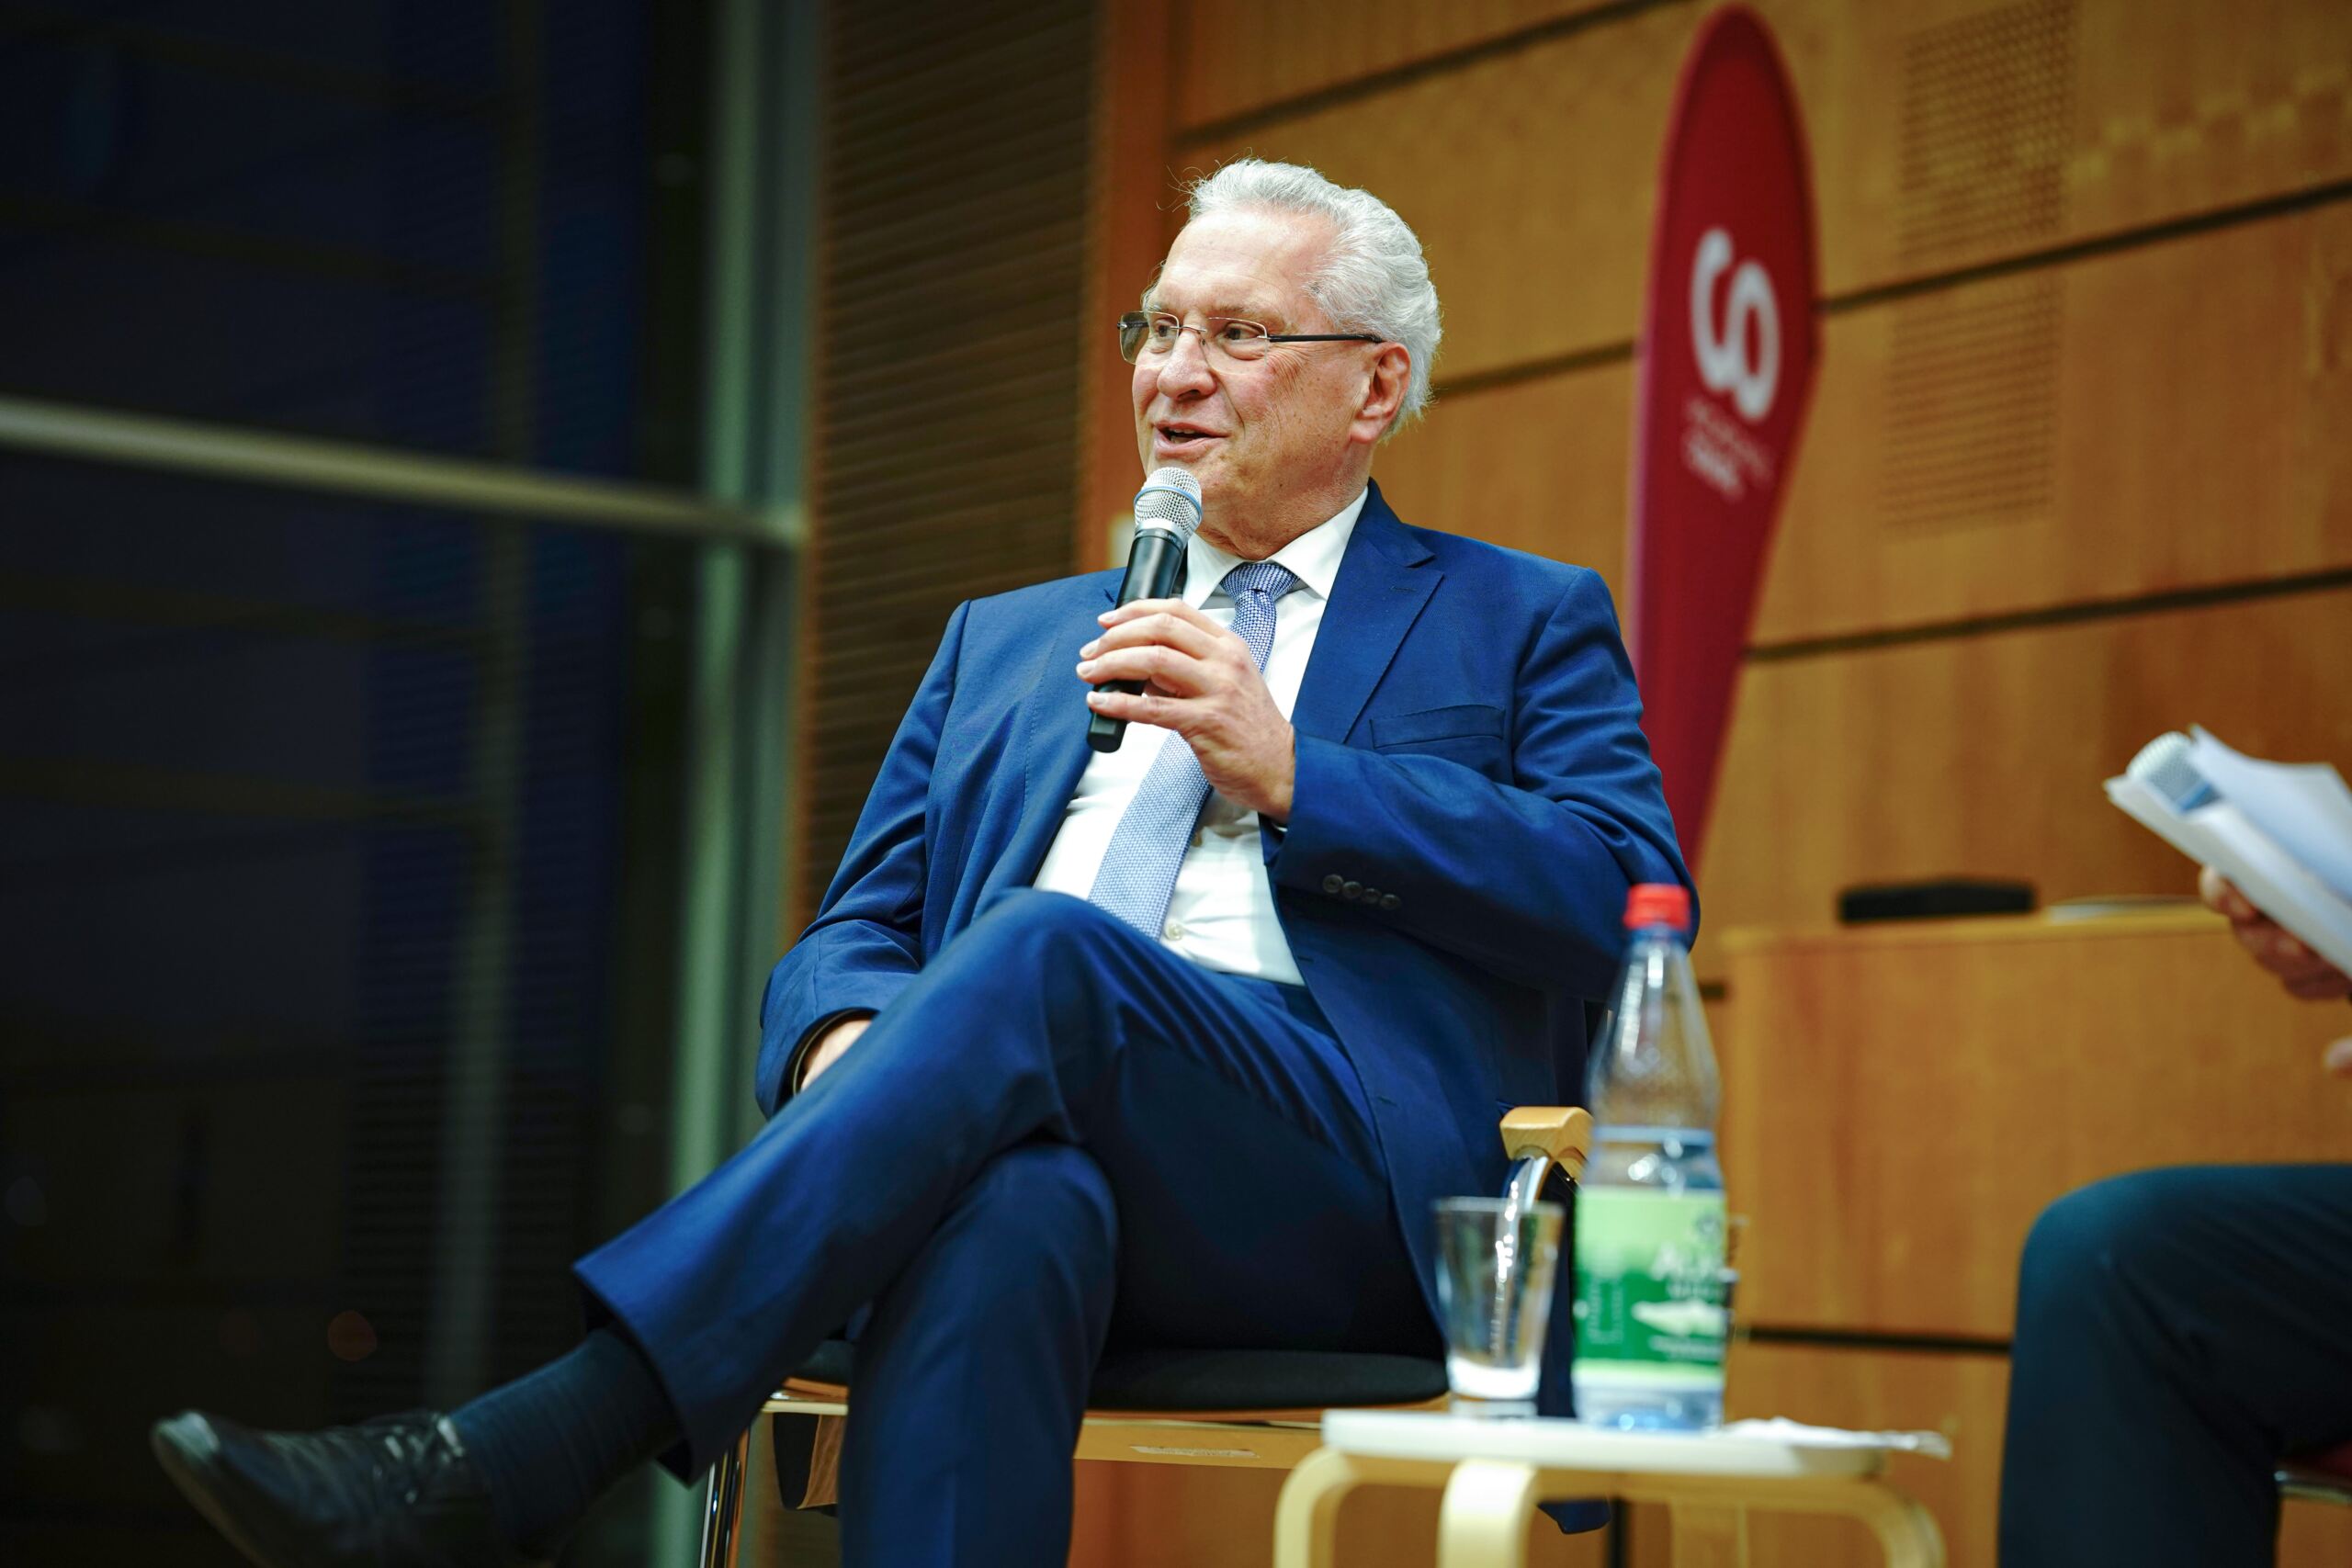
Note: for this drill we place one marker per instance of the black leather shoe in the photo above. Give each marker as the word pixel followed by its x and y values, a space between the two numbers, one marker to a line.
pixel 397 1491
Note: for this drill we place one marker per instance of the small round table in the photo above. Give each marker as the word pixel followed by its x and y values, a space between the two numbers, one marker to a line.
pixel 1493 1472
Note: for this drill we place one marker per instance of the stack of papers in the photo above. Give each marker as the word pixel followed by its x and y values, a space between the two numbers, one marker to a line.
pixel 2281 832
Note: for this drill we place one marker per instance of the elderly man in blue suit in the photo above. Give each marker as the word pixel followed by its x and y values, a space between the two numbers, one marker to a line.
pixel 1172 1044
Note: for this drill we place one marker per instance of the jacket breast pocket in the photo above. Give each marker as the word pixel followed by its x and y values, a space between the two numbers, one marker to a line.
pixel 1470 733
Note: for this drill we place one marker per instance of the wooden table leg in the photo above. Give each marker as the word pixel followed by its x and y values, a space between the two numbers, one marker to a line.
pixel 1906 1532
pixel 1306 1518
pixel 1483 1521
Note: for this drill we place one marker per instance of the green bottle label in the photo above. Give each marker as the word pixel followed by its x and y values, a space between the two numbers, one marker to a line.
pixel 1650 1286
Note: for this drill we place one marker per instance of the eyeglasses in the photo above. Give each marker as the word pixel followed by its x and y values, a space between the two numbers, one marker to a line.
pixel 1149 333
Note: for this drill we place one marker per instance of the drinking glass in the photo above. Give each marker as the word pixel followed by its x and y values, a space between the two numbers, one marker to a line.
pixel 1497 1262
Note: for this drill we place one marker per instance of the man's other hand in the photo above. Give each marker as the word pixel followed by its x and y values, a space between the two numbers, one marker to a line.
pixel 2304 972
pixel 829 1049
pixel 1200 683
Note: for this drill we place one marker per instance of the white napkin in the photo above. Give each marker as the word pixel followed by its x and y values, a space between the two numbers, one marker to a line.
pixel 1780 1429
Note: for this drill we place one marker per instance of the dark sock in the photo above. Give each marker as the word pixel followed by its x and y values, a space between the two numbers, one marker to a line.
pixel 551 1442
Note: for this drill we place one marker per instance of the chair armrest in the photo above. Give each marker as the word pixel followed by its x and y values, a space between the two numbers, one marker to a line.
pixel 1560 1134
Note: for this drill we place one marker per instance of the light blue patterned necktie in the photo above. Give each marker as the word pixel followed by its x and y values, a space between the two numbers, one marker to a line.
pixel 1138 874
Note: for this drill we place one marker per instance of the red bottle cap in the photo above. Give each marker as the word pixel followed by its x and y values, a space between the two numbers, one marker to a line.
pixel 1658 904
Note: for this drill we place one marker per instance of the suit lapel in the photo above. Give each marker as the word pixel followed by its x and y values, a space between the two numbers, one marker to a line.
pixel 1384 582
pixel 1055 752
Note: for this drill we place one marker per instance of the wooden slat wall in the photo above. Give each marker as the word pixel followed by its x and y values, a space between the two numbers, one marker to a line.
pixel 954 205
pixel 2078 467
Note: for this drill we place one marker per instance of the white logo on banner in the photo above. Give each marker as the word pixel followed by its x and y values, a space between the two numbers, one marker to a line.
pixel 1723 358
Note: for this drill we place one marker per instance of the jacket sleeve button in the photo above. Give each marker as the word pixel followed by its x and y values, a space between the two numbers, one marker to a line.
pixel 1332 884
pixel 1352 890
pixel 1389 900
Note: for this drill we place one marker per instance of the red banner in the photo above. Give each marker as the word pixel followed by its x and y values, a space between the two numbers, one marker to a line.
pixel 1727 353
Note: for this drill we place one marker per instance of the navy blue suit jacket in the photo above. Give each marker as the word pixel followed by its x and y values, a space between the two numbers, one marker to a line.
pixel 1468 745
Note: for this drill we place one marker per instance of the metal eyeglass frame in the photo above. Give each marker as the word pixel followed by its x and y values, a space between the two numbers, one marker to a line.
pixel 1133 325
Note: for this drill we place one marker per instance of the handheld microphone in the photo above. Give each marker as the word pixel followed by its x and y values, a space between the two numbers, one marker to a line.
pixel 1168 513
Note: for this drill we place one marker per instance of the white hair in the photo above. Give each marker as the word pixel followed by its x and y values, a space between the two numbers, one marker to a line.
pixel 1372 279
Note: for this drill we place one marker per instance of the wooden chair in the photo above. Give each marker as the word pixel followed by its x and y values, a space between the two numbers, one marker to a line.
pixel 1255 1409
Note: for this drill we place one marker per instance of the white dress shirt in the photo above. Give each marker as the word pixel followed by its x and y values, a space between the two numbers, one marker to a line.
pixel 1221 915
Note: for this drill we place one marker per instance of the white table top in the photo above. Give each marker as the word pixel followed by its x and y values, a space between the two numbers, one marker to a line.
pixel 1556 1443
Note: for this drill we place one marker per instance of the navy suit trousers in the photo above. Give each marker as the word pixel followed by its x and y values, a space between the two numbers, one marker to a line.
pixel 2178 1332
pixel 1059 1133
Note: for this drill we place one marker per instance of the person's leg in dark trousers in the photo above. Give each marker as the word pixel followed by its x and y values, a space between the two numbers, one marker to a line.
pixel 2178 1332
pixel 945 1456
pixel 1244 1178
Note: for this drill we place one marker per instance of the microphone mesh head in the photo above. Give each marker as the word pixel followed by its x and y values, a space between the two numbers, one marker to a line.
pixel 2164 766
pixel 1171 499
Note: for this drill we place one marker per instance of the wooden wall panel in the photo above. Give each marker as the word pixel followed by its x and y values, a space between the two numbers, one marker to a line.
pixel 1983 755
pixel 1235 57
pixel 1947 132
pixel 2189 105
pixel 1128 225
pixel 1530 174
pixel 1527 177
pixel 1538 466
pixel 2077 434
pixel 1900 1103
pixel 2168 416
pixel 1962 1396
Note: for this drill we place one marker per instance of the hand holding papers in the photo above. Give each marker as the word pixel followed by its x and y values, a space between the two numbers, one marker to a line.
pixel 2281 834
pixel 2307 975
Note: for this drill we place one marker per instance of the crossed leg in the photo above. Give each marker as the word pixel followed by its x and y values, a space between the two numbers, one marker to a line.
pixel 1056 1107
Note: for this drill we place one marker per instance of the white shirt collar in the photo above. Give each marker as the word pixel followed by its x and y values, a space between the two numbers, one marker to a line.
pixel 1313 558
